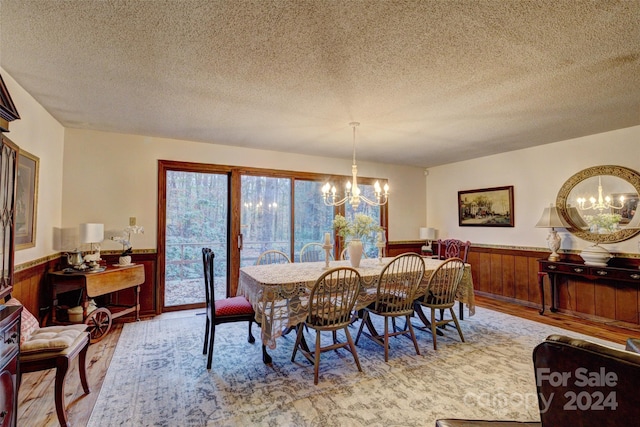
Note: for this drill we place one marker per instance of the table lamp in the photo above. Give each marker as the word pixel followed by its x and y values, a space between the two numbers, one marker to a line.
pixel 92 233
pixel 551 219
pixel 428 234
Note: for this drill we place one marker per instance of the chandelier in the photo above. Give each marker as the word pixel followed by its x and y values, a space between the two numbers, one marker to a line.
pixel 600 204
pixel 352 191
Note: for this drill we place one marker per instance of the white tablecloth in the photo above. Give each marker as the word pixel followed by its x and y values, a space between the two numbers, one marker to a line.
pixel 278 292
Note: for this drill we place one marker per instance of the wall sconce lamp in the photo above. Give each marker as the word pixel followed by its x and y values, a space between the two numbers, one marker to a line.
pixel 551 219
pixel 427 234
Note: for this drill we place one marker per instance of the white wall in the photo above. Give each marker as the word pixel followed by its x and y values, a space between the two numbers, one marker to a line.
pixel 110 177
pixel 537 175
pixel 41 135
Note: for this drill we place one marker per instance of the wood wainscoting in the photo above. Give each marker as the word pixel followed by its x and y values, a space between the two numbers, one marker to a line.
pixel 30 286
pixel 502 274
pixel 511 275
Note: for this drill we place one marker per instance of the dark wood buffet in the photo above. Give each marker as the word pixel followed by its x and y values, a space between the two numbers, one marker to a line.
pixel 555 270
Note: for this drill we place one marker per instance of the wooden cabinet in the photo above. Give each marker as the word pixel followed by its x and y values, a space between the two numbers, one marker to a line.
pixel 8 177
pixel 614 276
pixel 9 350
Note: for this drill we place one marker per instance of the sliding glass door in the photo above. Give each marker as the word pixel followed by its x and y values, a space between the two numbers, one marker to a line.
pixel 197 216
pixel 239 213
pixel 312 217
pixel 265 219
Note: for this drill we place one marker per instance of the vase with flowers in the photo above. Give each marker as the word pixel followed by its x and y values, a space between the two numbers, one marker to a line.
pixel 125 239
pixel 357 230
pixel 603 223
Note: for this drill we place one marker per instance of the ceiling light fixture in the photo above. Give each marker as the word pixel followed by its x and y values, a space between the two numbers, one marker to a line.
pixel 352 191
pixel 600 204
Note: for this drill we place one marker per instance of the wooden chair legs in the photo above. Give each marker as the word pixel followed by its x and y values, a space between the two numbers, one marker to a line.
pixel 62 366
pixel 383 339
pixel 209 337
pixel 435 324
pixel 60 361
pixel 314 356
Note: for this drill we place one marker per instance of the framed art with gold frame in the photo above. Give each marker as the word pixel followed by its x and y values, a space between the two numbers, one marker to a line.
pixel 486 207
pixel 26 200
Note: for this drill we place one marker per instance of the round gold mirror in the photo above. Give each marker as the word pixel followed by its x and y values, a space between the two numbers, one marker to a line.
pixel 600 204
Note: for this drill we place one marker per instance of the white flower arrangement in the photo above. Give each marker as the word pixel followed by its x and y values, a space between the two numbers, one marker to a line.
pixel 362 226
pixel 607 222
pixel 125 238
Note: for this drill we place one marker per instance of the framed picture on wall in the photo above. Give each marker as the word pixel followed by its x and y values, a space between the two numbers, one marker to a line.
pixel 486 207
pixel 26 200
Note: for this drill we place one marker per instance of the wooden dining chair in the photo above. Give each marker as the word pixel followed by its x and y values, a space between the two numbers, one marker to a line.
pixel 440 294
pixel 313 252
pixel 331 302
pixel 398 283
pixel 273 256
pixel 454 248
pixel 227 310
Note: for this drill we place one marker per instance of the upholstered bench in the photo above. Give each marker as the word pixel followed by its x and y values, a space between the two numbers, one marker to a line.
pixel 52 347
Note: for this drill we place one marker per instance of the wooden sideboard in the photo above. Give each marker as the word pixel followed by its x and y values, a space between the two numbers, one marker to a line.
pixel 556 269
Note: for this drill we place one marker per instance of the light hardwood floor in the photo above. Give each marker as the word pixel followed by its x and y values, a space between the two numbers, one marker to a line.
pixel 37 408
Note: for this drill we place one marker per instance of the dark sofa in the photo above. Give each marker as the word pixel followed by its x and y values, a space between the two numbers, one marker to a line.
pixel 579 384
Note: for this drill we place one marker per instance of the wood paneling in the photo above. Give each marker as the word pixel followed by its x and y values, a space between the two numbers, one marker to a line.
pixel 508 276
pixel 521 278
pixel 30 287
pixel 627 304
pixel 503 274
pixel 397 248
pixel 605 301
pixel 585 299
pixel 495 262
pixel 484 273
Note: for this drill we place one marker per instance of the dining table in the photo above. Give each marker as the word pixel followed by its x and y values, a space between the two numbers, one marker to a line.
pixel 279 292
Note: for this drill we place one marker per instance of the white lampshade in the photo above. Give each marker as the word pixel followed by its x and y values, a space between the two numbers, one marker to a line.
pixel 427 233
pixel 576 218
pixel 91 233
pixel 551 218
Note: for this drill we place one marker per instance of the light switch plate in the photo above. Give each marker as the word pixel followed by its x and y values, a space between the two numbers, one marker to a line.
pixel 132 220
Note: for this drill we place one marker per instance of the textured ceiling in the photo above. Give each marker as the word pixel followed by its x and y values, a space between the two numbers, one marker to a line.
pixel 431 82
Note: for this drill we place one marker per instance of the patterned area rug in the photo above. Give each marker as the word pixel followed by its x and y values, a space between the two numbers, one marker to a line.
pixel 158 377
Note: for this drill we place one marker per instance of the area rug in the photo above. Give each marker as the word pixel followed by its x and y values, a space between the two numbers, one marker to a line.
pixel 158 377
